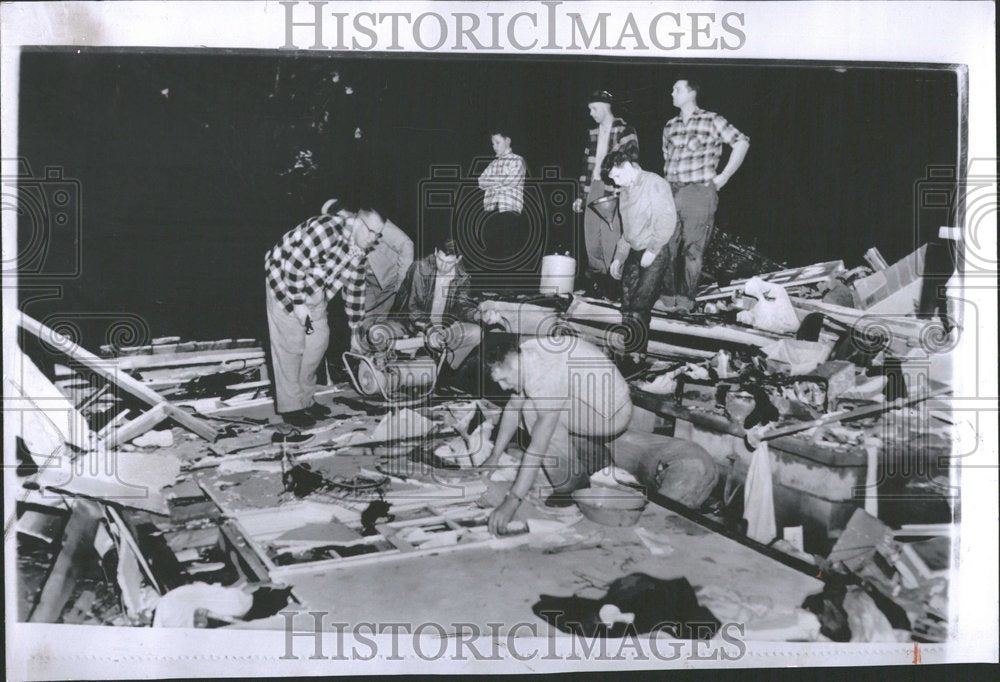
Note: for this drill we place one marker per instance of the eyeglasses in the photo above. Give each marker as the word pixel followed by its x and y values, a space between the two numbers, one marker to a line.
pixel 364 222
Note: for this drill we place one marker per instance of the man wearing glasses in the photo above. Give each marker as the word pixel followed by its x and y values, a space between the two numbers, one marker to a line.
pixel 310 265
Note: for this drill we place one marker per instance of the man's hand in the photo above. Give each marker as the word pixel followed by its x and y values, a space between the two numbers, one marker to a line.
pixel 501 516
pixel 301 313
pixel 720 180
pixel 647 258
pixel 491 317
pixel 356 344
pixel 616 268
pixel 436 338
pixel 578 205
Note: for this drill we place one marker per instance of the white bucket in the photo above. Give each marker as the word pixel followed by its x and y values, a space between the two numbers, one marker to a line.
pixel 558 274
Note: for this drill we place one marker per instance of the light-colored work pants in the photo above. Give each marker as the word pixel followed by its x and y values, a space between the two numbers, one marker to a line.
pixel 296 355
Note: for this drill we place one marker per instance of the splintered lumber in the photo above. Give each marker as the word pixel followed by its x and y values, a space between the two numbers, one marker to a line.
pixel 138 426
pixel 109 371
pixel 211 357
pixel 78 540
pixel 852 414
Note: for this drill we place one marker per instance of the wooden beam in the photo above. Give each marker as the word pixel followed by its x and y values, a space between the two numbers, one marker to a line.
pixel 109 371
pixel 138 426
pixel 212 357
pixel 78 541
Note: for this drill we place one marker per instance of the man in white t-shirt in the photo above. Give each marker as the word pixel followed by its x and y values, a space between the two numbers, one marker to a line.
pixel 572 400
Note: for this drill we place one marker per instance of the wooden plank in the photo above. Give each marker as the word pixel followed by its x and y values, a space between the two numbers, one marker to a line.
pixel 209 357
pixel 78 540
pixel 138 426
pixel 112 373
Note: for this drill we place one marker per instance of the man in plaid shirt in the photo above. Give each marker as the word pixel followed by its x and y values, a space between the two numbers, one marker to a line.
pixel 305 269
pixel 612 134
pixel 692 148
pixel 503 200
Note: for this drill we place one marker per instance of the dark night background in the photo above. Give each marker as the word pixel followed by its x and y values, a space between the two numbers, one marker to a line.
pixel 185 161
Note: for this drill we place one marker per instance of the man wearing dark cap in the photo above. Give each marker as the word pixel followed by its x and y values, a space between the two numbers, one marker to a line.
pixel 611 134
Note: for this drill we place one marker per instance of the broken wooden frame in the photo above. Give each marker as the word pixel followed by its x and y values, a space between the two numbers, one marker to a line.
pixel 109 371
pixel 463 522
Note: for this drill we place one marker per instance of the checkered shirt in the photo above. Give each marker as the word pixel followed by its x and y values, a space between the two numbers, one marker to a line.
pixel 318 255
pixel 622 138
pixel 503 183
pixel 692 149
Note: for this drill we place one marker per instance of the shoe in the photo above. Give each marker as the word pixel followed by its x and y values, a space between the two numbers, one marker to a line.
pixel 299 418
pixel 317 411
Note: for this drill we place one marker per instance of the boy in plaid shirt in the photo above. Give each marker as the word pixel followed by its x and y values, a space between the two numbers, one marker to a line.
pixel 308 267
pixel 502 183
pixel 692 147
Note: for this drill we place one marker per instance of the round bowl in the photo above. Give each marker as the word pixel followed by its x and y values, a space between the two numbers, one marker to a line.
pixel 615 507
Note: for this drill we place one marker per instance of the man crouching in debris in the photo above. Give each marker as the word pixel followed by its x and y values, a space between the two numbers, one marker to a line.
pixel 435 297
pixel 572 400
pixel 309 265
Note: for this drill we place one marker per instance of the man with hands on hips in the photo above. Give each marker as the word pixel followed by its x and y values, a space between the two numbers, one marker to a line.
pixel 692 148
pixel 643 254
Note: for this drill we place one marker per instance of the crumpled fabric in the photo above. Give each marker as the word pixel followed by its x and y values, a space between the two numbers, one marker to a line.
pixel 773 310
pixel 668 605
pixel 177 607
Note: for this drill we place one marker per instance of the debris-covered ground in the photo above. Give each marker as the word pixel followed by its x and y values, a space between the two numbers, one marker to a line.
pixel 818 394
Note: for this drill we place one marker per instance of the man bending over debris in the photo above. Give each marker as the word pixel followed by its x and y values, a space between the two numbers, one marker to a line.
pixel 641 257
pixel 572 400
pixel 309 265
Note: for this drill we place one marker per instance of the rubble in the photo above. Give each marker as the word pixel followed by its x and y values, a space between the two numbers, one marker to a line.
pixel 242 506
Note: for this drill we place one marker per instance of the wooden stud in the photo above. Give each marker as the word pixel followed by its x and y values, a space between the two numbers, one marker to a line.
pixel 112 373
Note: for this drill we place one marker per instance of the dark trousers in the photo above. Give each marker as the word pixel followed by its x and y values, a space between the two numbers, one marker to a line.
pixel 503 242
pixel 696 205
pixel 640 290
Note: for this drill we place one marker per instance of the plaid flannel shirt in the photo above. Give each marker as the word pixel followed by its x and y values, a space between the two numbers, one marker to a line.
pixel 318 255
pixel 622 138
pixel 503 183
pixel 692 149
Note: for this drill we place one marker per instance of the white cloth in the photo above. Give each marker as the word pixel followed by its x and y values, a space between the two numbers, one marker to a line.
pixel 176 608
pixel 773 310
pixel 758 497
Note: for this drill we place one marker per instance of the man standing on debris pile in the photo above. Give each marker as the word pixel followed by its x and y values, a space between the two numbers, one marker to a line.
pixel 310 264
pixel 573 402
pixel 641 258
pixel 612 134
pixel 692 148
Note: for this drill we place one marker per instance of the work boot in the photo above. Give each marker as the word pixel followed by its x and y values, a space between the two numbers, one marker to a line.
pixel 317 411
pixel 299 418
